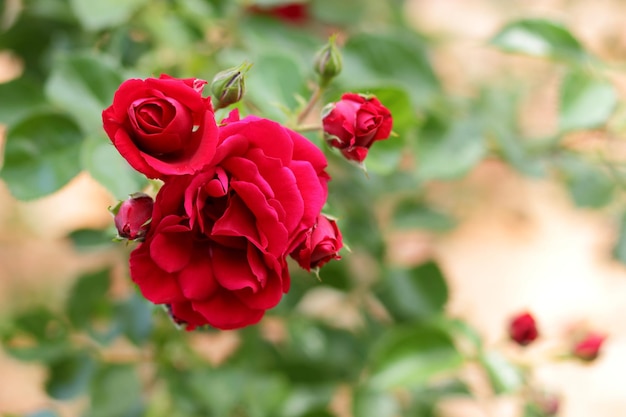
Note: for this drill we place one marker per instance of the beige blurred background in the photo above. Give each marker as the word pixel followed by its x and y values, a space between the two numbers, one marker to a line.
pixel 521 243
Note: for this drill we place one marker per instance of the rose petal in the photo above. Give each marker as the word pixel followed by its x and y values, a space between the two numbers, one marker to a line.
pixel 172 247
pixel 196 280
pixel 225 311
pixel 155 284
pixel 231 269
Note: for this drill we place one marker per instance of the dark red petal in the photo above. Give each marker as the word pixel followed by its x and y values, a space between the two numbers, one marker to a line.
pixel 231 269
pixel 171 248
pixel 155 284
pixel 225 311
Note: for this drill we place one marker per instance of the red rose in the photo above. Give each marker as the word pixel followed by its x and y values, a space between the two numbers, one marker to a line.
pixel 132 216
pixel 217 246
pixel 588 348
pixel 162 126
pixel 321 244
pixel 354 123
pixel 523 329
pixel 296 13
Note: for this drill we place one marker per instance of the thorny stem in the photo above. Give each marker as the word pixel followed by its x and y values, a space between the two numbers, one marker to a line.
pixel 315 96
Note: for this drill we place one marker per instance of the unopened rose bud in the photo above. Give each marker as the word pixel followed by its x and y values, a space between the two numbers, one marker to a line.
pixel 354 123
pixel 523 329
pixel 132 217
pixel 228 86
pixel 588 348
pixel 321 244
pixel 328 62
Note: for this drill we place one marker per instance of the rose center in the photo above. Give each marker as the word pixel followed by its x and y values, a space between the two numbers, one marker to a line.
pixel 162 125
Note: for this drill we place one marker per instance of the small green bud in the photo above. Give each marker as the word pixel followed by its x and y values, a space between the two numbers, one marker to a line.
pixel 228 86
pixel 328 61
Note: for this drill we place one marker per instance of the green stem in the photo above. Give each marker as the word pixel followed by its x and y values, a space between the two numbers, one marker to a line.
pixel 309 128
pixel 315 96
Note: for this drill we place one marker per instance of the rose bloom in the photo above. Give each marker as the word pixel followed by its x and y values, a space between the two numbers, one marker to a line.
pixel 216 249
pixel 588 348
pixel 163 126
pixel 321 244
pixel 133 215
pixel 523 329
pixel 354 123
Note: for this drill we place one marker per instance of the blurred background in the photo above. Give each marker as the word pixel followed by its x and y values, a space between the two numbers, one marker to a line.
pixel 520 242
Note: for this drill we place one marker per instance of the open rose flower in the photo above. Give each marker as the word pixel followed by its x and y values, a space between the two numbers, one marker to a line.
pixel 321 244
pixel 163 126
pixel 354 123
pixel 216 249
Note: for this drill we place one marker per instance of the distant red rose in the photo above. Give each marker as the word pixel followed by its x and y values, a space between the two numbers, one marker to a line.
pixel 523 329
pixel 321 244
pixel 163 126
pixel 354 123
pixel 216 250
pixel 295 13
pixel 588 348
pixel 133 215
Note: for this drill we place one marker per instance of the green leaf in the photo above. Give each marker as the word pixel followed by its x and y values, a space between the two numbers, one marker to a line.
pixel 105 164
pixel 134 316
pixel 538 37
pixel 411 214
pixel 104 13
pixel 260 395
pixel 83 85
pixel 503 375
pixel 398 59
pixel 90 239
pixel 343 13
pixel 20 98
pixel 371 403
pixel 273 84
pixel 586 102
pixel 411 356
pixel 69 376
pixel 115 392
pixel 41 155
pixel 588 184
pixel 38 335
pixel 619 250
pixel 88 298
pixel 416 294
pixel 449 152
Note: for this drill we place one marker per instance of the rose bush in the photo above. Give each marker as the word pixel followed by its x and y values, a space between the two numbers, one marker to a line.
pixel 216 250
pixel 354 123
pixel 162 126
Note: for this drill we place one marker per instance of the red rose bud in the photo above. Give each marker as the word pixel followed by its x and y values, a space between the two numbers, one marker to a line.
pixel 296 13
pixel 588 348
pixel 228 86
pixel 328 62
pixel 523 329
pixel 321 244
pixel 354 123
pixel 132 217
